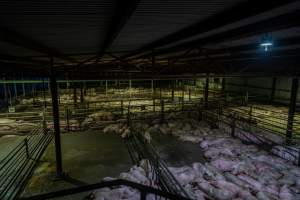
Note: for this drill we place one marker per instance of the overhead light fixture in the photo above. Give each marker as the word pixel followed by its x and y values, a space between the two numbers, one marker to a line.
pixel 266 42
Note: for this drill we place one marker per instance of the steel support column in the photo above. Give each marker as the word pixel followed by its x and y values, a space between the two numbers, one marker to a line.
pixel 5 90
pixel 292 109
pixel 44 94
pixel 223 85
pixel 106 87
pixel 55 109
pixel 273 89
pixel 84 88
pixel 23 88
pixel 16 90
pixel 74 94
pixel 206 91
pixel 130 88
pixel 81 93
pixel 152 87
pixel 246 91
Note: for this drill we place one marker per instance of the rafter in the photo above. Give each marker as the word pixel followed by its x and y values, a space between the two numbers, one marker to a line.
pixel 123 11
pixel 277 23
pixel 18 39
pixel 241 11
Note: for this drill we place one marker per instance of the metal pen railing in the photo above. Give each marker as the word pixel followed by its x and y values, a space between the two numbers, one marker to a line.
pixel 164 179
pixel 231 120
pixel 18 165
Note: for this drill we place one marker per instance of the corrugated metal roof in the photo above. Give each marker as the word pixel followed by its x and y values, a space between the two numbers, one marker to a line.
pixel 82 26
pixel 68 26
pixel 154 19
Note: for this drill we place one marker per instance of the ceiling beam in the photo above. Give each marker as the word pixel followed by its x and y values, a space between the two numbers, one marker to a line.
pixel 239 12
pixel 245 47
pixel 244 56
pixel 277 23
pixel 18 39
pixel 17 59
pixel 123 11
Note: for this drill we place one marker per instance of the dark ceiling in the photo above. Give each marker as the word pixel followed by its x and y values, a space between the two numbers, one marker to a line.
pixel 146 38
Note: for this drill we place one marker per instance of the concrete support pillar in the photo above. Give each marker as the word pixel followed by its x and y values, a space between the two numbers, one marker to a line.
pixel 55 107
pixel 292 110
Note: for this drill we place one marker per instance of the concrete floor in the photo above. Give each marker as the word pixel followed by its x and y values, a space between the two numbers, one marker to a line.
pixel 177 153
pixel 90 156
pixel 87 158
pixel 9 142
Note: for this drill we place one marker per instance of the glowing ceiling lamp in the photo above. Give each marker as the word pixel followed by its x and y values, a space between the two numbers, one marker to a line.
pixel 266 42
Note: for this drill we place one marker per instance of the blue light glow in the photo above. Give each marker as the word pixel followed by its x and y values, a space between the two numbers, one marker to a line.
pixel 266 44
